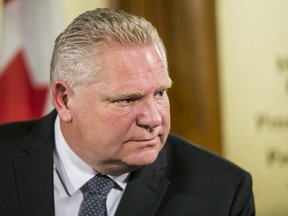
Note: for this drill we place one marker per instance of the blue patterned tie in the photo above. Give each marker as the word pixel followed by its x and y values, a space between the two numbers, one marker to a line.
pixel 95 200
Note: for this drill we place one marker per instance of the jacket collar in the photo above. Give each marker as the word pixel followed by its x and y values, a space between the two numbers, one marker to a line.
pixel 145 189
pixel 42 132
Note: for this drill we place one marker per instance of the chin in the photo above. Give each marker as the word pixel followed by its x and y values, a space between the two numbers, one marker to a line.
pixel 143 158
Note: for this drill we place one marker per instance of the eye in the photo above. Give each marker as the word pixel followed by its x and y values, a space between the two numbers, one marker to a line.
pixel 125 101
pixel 160 93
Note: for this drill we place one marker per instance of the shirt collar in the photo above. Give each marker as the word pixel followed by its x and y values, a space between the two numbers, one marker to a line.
pixel 73 171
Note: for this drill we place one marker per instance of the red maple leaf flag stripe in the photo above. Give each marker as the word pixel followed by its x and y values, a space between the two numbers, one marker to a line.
pixel 29 30
pixel 19 99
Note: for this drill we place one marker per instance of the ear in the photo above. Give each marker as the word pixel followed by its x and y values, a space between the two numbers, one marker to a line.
pixel 61 94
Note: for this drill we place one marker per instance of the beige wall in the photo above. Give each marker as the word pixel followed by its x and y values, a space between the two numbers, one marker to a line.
pixel 253 54
pixel 72 8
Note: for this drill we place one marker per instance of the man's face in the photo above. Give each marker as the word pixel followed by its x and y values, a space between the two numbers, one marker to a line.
pixel 122 121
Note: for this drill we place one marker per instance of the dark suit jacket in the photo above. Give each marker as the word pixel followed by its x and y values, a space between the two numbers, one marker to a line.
pixel 184 180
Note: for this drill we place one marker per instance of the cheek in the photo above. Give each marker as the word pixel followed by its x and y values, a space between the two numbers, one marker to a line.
pixel 165 113
pixel 105 123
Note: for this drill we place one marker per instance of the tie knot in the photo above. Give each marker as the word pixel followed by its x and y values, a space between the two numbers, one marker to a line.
pixel 100 184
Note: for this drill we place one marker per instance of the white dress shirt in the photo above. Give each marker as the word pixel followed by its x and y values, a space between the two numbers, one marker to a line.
pixel 71 173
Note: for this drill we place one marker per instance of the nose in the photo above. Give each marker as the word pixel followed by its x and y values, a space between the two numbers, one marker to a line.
pixel 149 116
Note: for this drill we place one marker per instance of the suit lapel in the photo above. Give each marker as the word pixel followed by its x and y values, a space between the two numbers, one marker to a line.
pixel 34 172
pixel 145 190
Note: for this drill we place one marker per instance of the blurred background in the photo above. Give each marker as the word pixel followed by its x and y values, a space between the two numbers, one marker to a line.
pixel 228 60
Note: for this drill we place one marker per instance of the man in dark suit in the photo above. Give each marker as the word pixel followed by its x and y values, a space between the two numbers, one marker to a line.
pixel 109 82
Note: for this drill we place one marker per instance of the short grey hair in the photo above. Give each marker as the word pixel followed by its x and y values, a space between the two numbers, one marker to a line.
pixel 92 33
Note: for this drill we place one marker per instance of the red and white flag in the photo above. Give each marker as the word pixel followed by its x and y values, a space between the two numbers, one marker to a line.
pixel 29 30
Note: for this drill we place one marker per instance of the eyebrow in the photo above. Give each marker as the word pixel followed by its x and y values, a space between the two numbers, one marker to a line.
pixel 136 94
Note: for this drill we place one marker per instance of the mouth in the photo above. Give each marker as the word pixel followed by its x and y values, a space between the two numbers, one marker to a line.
pixel 146 139
pixel 146 142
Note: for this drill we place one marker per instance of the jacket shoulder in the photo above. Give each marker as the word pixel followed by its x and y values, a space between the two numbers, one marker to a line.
pixel 13 134
pixel 191 159
pixel 197 175
pixel 25 134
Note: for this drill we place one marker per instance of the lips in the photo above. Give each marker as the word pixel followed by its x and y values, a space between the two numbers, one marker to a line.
pixel 148 137
pixel 145 139
pixel 145 142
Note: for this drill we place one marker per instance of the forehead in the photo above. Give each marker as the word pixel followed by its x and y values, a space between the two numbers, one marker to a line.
pixel 134 64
